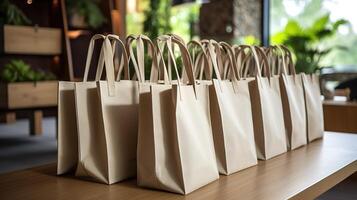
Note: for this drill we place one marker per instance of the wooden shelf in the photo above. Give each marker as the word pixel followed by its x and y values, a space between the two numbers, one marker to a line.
pixel 304 173
pixel 31 40
pixel 340 116
pixel 28 94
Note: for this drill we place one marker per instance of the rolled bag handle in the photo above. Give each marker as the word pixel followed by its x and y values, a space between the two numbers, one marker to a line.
pixel 290 66
pixel 258 53
pixel 215 53
pixel 240 56
pixel 201 62
pixel 124 67
pixel 165 70
pixel 276 56
pixel 109 64
pixel 100 64
pixel 89 57
pixel 214 49
pixel 169 42
pixel 234 73
pixel 139 62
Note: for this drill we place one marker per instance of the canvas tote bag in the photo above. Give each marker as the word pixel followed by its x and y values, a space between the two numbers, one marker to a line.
pixel 67 122
pixel 292 95
pixel 119 113
pixel 313 103
pixel 96 160
pixel 91 141
pixel 267 109
pixel 175 148
pixel 231 116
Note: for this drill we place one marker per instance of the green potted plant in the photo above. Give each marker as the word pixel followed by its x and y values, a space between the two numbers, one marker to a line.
pixel 23 87
pixel 19 71
pixel 12 15
pixel 305 42
pixel 85 13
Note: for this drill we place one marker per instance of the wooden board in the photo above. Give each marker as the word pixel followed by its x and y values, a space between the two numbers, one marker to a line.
pixel 304 173
pixel 28 94
pixel 32 40
pixel 340 116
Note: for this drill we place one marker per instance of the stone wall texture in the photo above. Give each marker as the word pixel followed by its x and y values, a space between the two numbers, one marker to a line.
pixel 230 19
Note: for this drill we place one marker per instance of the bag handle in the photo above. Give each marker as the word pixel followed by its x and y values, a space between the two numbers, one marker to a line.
pixel 169 42
pixel 239 55
pixel 139 62
pixel 257 53
pixel 109 64
pixel 243 59
pixel 125 63
pixel 232 62
pixel 201 61
pixel 288 53
pixel 276 56
pixel 89 57
pixel 251 54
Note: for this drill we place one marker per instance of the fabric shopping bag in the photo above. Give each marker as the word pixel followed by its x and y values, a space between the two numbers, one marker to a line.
pixel 67 121
pixel 292 95
pixel 313 103
pixel 111 158
pixel 175 145
pixel 231 116
pixel 267 109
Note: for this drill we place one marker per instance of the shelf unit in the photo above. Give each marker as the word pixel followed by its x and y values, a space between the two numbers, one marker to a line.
pixel 65 59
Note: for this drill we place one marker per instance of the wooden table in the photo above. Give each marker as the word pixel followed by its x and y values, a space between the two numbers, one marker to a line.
pixel 340 116
pixel 304 173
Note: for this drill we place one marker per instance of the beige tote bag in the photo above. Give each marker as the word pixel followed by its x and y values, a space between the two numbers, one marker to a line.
pixel 101 117
pixel 175 145
pixel 292 95
pixel 267 109
pixel 67 122
pixel 119 112
pixel 67 152
pixel 313 103
pixel 231 116
pixel 91 142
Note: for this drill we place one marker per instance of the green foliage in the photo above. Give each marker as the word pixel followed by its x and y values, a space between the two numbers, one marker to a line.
pixel 184 19
pixel 304 41
pixel 251 40
pixel 19 71
pixel 11 14
pixel 157 18
pixel 89 10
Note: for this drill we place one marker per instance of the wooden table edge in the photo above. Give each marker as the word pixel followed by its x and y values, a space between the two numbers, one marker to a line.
pixel 327 183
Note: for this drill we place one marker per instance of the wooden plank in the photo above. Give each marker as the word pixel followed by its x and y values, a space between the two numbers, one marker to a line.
pixel 340 116
pixel 30 95
pixel 8 117
pixel 305 172
pixel 36 123
pixel 32 40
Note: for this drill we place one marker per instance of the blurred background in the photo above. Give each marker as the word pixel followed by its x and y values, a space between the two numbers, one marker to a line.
pixel 43 41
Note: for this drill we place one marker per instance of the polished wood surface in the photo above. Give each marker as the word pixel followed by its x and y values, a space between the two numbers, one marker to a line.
pixel 340 116
pixel 304 173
